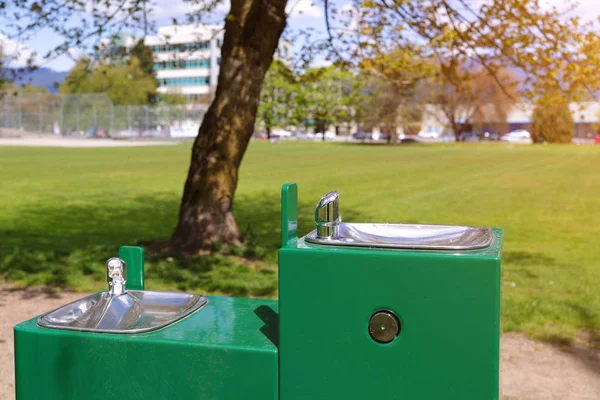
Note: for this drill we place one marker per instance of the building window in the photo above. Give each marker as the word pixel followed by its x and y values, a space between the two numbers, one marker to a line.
pixel 182 64
pixel 179 47
pixel 188 81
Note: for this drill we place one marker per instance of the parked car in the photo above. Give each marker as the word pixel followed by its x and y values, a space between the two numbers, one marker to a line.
pixel 597 139
pixel 493 136
pixel 381 136
pixel 429 135
pixel 468 137
pixel 304 135
pixel 281 133
pixel 518 136
pixel 328 135
pixel 362 135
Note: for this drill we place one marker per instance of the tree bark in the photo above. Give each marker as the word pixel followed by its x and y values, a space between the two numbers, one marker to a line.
pixel 392 135
pixel 252 31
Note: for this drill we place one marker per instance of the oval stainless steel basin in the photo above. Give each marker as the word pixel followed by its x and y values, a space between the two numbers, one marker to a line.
pixel 135 311
pixel 407 236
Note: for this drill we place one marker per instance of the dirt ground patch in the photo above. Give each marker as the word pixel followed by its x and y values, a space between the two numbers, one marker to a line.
pixel 530 370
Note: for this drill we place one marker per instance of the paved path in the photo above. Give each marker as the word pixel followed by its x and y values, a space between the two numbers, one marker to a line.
pixel 530 370
pixel 81 142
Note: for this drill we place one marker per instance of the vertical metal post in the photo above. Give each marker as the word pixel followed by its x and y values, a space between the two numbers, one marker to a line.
pixel 77 119
pixel 94 114
pixel 168 121
pixel 20 114
pixel 40 117
pixel 112 118
pixel 146 108
pixel 62 126
pixel 134 257
pixel 129 118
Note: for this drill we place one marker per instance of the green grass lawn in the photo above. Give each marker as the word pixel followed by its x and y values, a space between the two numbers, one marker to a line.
pixel 64 211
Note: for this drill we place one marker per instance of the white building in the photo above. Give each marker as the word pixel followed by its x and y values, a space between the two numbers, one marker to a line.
pixel 187 58
pixel 586 116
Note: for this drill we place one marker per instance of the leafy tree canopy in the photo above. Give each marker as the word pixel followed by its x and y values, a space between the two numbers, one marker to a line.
pixel 552 120
pixel 278 97
pixel 172 98
pixel 552 49
pixel 125 84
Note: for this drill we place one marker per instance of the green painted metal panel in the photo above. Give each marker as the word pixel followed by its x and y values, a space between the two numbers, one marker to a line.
pixel 227 350
pixel 134 258
pixel 289 213
pixel 448 304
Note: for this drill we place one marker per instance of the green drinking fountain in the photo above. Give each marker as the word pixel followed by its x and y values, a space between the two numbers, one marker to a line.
pixel 365 310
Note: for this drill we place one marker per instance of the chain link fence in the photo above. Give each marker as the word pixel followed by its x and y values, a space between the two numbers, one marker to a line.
pixel 158 120
pixel 94 115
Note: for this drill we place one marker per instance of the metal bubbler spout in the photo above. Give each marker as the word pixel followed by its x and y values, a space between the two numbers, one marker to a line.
pixel 116 276
pixel 327 216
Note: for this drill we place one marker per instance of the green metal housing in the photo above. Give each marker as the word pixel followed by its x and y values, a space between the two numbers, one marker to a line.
pixel 448 304
pixel 225 351
pixel 317 347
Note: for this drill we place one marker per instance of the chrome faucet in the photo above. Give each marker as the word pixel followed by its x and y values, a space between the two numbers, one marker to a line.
pixel 116 276
pixel 332 231
pixel 327 216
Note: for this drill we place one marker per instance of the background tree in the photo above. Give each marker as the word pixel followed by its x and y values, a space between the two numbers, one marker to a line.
pixel 172 98
pixel 383 107
pixel 125 84
pixel 4 81
pixel 552 120
pixel 394 80
pixel 252 31
pixel 516 33
pixel 327 96
pixel 30 89
pixel 356 96
pixel 145 58
pixel 411 116
pixel 467 97
pixel 276 97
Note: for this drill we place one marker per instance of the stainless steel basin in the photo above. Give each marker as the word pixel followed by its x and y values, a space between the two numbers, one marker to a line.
pixel 332 231
pixel 135 311
pixel 123 311
pixel 405 236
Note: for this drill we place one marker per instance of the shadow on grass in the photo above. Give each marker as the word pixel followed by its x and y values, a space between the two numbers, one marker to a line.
pixel 587 349
pixel 66 245
pixel 403 142
pixel 526 257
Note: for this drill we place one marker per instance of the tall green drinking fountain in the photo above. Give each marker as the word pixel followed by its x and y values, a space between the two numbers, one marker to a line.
pixel 366 310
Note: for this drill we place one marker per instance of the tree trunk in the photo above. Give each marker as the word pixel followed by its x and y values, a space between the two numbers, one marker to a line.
pixel 268 128
pixel 392 135
pixel 457 130
pixel 252 31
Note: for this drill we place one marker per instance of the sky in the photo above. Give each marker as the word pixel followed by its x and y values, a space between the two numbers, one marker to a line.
pixel 304 14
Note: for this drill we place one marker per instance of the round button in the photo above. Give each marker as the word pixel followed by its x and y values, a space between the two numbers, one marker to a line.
pixel 384 326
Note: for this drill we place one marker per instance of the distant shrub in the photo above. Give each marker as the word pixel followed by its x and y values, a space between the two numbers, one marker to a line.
pixel 552 121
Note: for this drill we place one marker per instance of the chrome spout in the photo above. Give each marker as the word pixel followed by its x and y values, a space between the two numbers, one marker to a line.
pixel 333 232
pixel 327 216
pixel 122 311
pixel 116 276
